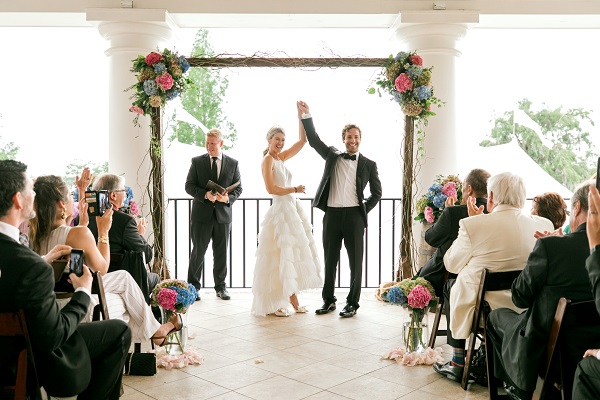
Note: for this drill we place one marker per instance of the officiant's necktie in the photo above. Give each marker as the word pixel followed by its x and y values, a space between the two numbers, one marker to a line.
pixel 213 172
pixel 349 157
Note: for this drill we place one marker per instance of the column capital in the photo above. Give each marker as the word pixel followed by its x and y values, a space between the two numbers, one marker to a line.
pixel 427 38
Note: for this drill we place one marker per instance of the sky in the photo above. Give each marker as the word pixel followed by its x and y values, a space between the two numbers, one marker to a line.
pixel 55 92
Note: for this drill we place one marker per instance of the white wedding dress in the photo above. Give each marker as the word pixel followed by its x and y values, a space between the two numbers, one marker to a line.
pixel 286 257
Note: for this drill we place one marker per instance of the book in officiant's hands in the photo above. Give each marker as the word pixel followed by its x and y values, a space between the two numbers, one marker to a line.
pixel 216 188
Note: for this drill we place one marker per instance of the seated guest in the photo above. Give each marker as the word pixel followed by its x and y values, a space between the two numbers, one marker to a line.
pixel 551 206
pixel 445 229
pixel 53 205
pixel 93 354
pixel 555 269
pixel 125 235
pixel 498 241
pixel 587 376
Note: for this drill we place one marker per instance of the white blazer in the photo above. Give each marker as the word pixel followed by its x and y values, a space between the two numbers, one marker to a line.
pixel 499 241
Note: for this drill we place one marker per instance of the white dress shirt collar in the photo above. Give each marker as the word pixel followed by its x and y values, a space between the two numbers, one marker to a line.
pixel 9 230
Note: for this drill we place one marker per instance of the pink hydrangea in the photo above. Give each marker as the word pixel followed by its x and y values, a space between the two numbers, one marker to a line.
pixel 403 83
pixel 419 297
pixel 429 217
pixel 136 109
pixel 449 189
pixel 417 60
pixel 133 208
pixel 167 299
pixel 165 81
pixel 153 58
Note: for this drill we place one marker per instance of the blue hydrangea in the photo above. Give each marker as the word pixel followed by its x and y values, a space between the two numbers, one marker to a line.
pixel 430 195
pixel 172 93
pixel 183 64
pixel 150 87
pixel 159 68
pixel 186 297
pixel 396 296
pixel 439 200
pixel 414 71
pixel 401 56
pixel 423 92
pixel 436 187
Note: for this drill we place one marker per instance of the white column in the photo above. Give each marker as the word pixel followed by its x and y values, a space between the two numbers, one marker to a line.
pixel 436 44
pixel 130 32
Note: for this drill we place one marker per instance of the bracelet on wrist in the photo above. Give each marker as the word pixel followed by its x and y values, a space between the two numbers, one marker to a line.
pixel 295 190
pixel 102 239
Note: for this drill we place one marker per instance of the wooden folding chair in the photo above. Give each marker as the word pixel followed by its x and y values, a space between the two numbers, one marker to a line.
pixel 101 310
pixel 12 324
pixel 490 282
pixel 568 314
pixel 435 331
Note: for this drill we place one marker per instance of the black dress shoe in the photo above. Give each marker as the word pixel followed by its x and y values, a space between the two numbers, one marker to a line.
pixel 223 294
pixel 514 393
pixel 325 308
pixel 197 297
pixel 450 371
pixel 348 311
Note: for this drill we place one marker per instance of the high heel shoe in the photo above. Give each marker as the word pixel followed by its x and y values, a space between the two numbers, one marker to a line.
pixel 302 309
pixel 177 322
pixel 282 312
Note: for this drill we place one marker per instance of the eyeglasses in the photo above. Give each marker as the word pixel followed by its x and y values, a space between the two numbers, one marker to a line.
pixel 568 212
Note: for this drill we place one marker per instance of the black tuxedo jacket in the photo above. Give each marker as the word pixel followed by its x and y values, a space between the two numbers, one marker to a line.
pixel 555 269
pixel 366 172
pixel 124 238
pixel 195 186
pixel 592 265
pixel 441 235
pixel 27 282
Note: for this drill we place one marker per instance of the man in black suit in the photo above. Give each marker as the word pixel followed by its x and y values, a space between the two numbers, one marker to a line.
pixel 555 268
pixel 340 196
pixel 93 354
pixel 125 236
pixel 211 211
pixel 587 376
pixel 445 230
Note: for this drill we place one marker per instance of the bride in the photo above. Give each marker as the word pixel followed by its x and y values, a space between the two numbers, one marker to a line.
pixel 286 257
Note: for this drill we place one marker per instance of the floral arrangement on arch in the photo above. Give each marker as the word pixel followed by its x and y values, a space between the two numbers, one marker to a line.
pixel 129 205
pixel 174 295
pixel 160 77
pixel 409 83
pixel 431 204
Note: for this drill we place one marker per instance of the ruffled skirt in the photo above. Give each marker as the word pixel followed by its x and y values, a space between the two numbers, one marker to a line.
pixel 286 257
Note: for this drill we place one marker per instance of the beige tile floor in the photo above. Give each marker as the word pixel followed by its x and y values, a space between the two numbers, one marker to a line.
pixel 305 356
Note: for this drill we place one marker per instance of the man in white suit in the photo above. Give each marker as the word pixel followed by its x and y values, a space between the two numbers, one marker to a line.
pixel 498 241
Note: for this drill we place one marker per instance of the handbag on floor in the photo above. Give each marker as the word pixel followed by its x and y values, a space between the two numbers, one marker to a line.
pixel 140 364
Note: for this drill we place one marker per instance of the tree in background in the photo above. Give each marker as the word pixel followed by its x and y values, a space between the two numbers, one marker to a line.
pixel 76 166
pixel 564 150
pixel 203 100
pixel 8 151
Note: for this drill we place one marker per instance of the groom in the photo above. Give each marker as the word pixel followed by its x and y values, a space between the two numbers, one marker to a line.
pixel 340 196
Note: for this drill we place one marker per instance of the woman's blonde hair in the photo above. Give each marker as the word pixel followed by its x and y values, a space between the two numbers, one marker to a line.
pixel 272 132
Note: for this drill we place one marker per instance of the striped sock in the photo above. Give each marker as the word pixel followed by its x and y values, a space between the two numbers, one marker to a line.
pixel 458 357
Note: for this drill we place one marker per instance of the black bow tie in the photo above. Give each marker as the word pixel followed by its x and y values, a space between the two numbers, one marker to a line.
pixel 349 157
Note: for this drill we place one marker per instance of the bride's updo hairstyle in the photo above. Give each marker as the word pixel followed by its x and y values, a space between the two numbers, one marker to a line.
pixel 272 132
pixel 49 190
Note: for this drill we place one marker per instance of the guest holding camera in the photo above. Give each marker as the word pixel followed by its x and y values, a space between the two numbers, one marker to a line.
pixel 53 205
pixel 126 235
pixel 92 355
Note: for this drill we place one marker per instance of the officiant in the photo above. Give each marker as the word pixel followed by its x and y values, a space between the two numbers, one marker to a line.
pixel 211 211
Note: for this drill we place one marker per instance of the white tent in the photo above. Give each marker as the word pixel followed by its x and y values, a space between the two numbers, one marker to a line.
pixel 510 157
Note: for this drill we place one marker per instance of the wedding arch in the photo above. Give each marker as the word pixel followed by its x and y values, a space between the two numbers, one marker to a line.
pixel 155 187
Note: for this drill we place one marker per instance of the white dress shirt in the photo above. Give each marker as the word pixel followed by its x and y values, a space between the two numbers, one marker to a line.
pixel 342 192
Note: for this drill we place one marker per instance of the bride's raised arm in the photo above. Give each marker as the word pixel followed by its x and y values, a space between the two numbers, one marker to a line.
pixel 296 147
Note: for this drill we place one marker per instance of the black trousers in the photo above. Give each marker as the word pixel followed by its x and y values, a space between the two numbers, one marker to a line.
pixel 108 343
pixel 202 234
pixel 347 225
pixel 457 343
pixel 587 379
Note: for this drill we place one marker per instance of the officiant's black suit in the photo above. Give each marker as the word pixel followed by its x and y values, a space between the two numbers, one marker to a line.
pixel 441 235
pixel 100 348
pixel 210 221
pixel 555 268
pixel 347 224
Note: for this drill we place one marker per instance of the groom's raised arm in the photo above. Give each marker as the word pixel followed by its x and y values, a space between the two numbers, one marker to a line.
pixel 311 134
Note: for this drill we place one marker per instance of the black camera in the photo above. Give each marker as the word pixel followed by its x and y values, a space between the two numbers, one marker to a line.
pixel 98 201
pixel 76 262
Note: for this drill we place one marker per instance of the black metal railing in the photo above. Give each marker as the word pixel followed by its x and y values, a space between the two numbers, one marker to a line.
pixel 382 239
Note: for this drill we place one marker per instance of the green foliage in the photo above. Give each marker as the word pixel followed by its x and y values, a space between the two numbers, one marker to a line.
pixel 9 151
pixel 203 100
pixel 76 166
pixel 571 159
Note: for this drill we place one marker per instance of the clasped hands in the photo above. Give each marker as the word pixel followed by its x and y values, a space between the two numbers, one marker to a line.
pixel 214 197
